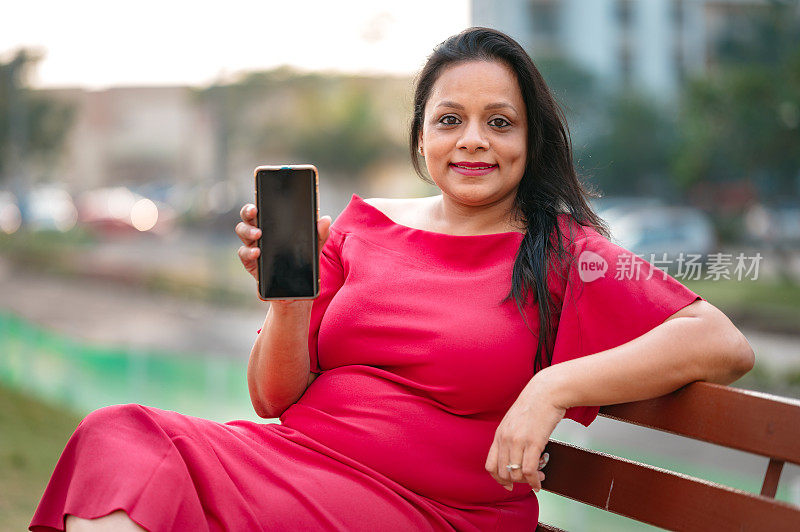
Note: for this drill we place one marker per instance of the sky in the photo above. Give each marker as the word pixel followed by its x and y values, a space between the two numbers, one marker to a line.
pixel 99 44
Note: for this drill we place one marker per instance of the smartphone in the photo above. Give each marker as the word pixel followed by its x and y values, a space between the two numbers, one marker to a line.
pixel 287 199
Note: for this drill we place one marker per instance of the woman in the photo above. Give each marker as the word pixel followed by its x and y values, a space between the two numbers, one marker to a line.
pixel 451 335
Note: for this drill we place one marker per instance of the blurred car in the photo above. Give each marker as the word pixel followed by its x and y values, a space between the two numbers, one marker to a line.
pixel 649 226
pixel 774 225
pixel 48 208
pixel 614 206
pixel 788 221
pixel 117 211
pixel 10 215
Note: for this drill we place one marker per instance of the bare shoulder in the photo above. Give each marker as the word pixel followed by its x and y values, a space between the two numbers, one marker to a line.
pixel 407 211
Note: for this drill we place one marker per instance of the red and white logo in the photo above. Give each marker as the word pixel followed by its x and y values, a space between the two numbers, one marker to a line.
pixel 591 266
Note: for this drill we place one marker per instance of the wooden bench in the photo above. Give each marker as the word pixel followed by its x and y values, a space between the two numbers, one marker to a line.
pixel 758 423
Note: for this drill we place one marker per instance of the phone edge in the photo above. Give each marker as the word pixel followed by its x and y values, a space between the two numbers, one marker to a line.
pixel 315 236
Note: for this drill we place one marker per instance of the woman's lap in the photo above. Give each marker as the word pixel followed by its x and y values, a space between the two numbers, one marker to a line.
pixel 171 471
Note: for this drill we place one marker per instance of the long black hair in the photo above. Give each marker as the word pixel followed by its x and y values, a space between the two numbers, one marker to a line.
pixel 550 182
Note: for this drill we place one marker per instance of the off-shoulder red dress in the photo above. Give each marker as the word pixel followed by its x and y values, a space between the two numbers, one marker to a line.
pixel 419 359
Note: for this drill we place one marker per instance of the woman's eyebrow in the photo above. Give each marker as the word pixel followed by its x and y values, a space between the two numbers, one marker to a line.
pixel 497 105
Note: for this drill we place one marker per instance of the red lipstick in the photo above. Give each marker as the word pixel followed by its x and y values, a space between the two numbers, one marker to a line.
pixel 472 168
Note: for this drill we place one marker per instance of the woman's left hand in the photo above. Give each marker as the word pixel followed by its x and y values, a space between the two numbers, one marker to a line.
pixel 521 437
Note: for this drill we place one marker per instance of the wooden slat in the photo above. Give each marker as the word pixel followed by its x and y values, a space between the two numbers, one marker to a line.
pixel 542 527
pixel 660 497
pixel 759 423
pixel 770 486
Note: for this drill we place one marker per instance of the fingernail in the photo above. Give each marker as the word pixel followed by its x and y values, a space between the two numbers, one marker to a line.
pixel 509 488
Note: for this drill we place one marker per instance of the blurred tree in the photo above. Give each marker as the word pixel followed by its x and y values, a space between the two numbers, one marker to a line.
pixel 340 131
pixel 632 155
pixel 742 122
pixel 31 124
pixel 574 87
pixel 584 103
pixel 331 120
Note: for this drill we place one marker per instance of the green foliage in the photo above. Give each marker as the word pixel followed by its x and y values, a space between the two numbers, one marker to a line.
pixel 31 124
pixel 622 140
pixel 740 121
pixel 340 132
pixel 573 87
pixel 743 120
pixel 633 155
pixel 333 121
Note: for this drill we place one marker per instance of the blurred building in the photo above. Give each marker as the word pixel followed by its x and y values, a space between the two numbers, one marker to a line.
pixel 151 137
pixel 650 45
pixel 135 135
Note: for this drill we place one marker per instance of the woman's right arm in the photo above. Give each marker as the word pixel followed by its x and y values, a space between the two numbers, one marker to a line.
pixel 278 372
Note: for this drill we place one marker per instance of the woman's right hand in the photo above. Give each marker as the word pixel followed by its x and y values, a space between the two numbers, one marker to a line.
pixel 249 234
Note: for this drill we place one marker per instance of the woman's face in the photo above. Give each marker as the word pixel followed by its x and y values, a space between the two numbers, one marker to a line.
pixel 475 114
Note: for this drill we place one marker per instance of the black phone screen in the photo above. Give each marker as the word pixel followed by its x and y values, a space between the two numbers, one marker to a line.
pixel 286 200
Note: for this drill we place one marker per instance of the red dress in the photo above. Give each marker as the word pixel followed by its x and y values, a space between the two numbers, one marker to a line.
pixel 419 361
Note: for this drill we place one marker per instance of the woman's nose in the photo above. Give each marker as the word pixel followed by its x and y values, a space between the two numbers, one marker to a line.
pixel 473 138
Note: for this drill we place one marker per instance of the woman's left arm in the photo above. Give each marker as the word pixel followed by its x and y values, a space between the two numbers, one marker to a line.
pixel 696 343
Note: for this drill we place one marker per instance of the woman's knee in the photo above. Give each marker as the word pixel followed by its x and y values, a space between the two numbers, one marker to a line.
pixel 119 434
pixel 134 423
pixel 110 416
pixel 117 423
pixel 118 520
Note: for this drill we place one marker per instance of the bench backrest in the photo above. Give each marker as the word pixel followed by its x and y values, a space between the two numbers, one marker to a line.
pixel 753 422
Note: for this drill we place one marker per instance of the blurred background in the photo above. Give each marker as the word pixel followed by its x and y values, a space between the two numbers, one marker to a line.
pixel 128 137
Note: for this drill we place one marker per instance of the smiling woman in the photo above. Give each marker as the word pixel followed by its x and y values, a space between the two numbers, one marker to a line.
pixel 450 336
pixel 474 140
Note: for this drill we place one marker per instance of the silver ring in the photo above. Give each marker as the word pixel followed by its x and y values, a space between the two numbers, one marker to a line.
pixel 512 467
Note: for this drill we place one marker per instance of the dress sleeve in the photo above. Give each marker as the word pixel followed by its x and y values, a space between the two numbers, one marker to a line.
pixel 331 272
pixel 611 297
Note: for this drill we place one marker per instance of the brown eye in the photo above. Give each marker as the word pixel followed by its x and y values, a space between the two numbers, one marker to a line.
pixel 449 120
pixel 503 122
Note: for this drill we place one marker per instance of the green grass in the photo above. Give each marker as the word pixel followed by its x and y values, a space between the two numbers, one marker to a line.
pixel 61 254
pixel 86 376
pixel 47 250
pixel 80 377
pixel 768 304
pixel 31 440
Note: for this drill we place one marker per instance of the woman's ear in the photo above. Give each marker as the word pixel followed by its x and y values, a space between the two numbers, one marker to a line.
pixel 419 146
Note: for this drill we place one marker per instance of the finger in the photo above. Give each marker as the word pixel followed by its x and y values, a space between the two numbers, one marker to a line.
pixel 517 457
pixel 248 234
pixel 248 212
pixel 323 229
pixel 248 256
pixel 543 460
pixel 530 469
pixel 491 462
pixel 502 461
